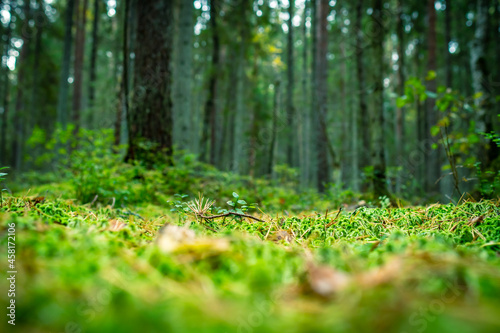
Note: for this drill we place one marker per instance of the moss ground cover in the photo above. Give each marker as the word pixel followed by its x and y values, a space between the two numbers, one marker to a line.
pixel 144 268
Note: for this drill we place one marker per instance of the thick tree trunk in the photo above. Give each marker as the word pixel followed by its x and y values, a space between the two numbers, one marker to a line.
pixel 433 165
pixel 123 95
pixel 81 20
pixel 62 113
pixel 93 62
pixel 150 117
pixel 274 129
pixel 305 126
pixel 377 116
pixel 321 142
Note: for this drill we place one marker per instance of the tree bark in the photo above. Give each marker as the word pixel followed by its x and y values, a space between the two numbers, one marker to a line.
pixel 6 95
pixel 364 160
pixel 183 93
pixel 321 142
pixel 485 114
pixel 433 165
pixel 93 62
pixel 290 113
pixel 400 112
pixel 150 117
pixel 19 114
pixel 62 102
pixel 377 116
pixel 81 20
pixel 209 137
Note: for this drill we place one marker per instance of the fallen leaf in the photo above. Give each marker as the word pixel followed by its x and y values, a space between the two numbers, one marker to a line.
pixel 116 225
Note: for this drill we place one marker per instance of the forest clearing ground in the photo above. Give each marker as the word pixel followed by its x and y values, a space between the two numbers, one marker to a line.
pixel 413 269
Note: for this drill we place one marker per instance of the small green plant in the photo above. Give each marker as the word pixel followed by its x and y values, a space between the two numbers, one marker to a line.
pixel 239 205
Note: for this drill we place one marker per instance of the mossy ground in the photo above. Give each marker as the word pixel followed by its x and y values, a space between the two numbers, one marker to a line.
pixel 99 268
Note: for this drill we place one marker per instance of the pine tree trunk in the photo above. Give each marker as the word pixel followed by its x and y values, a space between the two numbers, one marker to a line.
pixel 209 137
pixel 321 142
pixel 377 116
pixel 400 112
pixel 183 93
pixel 432 156
pixel 364 117
pixel 93 62
pixel 290 114
pixel 485 110
pixel 150 116
pixel 62 102
pixel 19 116
pixel 6 92
pixel 81 20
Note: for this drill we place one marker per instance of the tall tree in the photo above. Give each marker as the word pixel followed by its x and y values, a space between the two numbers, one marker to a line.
pixel 150 116
pixel 321 137
pixel 485 114
pixel 377 115
pixel 62 117
pixel 93 61
pixel 290 114
pixel 19 114
pixel 183 105
pixel 6 89
pixel 447 37
pixel 432 155
pixel 400 115
pixel 208 145
pixel 362 96
pixel 81 19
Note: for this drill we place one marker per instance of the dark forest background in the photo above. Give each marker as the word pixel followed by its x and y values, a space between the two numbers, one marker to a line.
pixel 394 98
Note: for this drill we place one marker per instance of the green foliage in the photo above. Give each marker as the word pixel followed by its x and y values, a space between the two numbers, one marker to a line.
pixel 3 176
pixel 105 270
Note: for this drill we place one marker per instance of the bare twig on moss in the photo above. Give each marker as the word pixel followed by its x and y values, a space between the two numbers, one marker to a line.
pixel 229 213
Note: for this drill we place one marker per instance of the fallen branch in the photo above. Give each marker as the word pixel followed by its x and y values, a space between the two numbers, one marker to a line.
pixel 229 213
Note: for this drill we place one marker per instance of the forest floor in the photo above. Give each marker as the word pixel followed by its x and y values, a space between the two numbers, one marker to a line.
pixel 152 267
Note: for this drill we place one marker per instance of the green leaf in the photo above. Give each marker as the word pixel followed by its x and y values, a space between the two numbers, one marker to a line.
pixel 401 101
pixel 230 203
pixel 434 146
pixel 435 130
pixel 242 202
pixel 431 75
pixel 235 195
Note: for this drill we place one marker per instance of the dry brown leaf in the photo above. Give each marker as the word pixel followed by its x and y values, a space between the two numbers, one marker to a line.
pixel 116 225
pixel 326 281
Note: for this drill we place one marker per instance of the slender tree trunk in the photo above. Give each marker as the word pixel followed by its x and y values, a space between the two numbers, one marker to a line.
pixel 290 114
pixel 432 157
pixel 447 36
pixel 81 9
pixel 323 169
pixel 123 106
pixel 150 117
pixel 306 119
pixel 93 62
pixel 183 93
pixel 400 112
pixel 377 117
pixel 6 95
pixel 62 102
pixel 485 113
pixel 208 144
pixel 20 112
pixel 362 97
pixel 238 143
pixel 274 130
